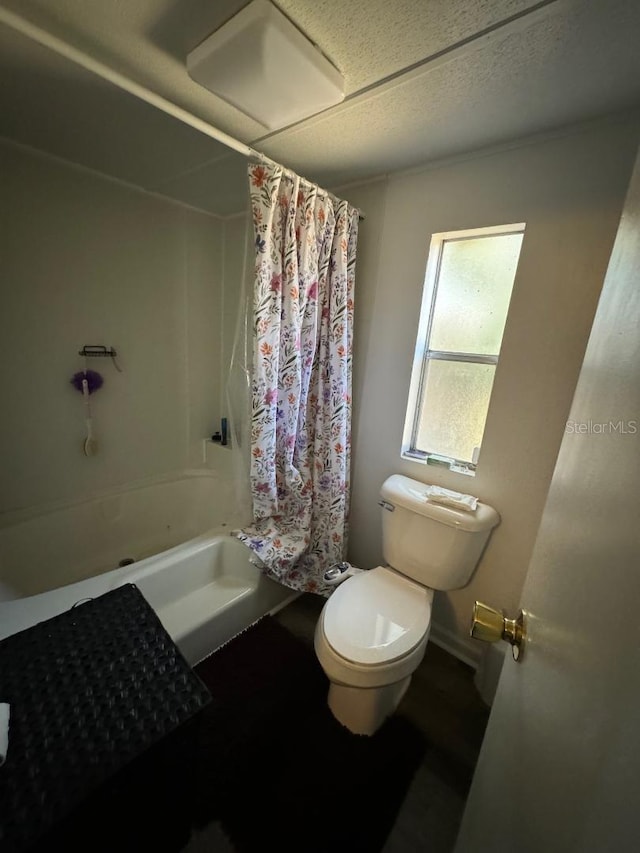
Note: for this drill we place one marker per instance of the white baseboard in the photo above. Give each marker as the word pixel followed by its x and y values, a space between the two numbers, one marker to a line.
pixel 467 651
pixel 288 600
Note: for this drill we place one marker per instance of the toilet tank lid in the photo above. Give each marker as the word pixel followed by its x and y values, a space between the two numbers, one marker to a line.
pixel 412 495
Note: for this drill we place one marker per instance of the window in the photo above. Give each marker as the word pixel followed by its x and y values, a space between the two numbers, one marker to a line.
pixel 467 289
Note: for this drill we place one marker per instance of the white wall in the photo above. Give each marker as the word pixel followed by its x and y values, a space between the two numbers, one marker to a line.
pixel 569 190
pixel 238 267
pixel 85 260
pixel 559 762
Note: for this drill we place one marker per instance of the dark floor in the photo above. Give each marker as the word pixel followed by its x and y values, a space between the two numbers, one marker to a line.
pixel 443 703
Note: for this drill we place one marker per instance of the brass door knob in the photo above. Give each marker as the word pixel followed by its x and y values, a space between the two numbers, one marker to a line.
pixel 491 625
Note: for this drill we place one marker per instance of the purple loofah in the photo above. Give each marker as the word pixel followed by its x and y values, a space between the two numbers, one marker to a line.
pixel 94 380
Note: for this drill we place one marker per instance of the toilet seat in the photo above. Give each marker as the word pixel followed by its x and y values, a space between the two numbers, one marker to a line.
pixel 376 617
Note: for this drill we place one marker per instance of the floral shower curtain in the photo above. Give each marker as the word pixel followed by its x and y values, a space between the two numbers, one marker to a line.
pixel 301 385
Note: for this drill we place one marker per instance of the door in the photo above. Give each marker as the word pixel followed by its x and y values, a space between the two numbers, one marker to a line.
pixel 559 768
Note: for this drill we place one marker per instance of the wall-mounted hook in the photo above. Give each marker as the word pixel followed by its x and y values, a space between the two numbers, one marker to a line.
pixel 100 352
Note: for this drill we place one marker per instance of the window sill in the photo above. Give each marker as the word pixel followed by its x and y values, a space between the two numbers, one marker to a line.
pixel 453 465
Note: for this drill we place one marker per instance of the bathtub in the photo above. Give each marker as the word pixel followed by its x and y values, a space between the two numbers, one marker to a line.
pixel 205 589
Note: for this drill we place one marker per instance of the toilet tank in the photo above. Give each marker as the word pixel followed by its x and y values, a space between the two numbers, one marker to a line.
pixel 438 546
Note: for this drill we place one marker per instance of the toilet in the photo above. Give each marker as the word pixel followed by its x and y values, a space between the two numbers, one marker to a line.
pixel 373 630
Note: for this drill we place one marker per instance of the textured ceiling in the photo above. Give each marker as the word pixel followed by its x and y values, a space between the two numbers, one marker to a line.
pixel 370 39
pixel 533 80
pixel 365 39
pixel 424 79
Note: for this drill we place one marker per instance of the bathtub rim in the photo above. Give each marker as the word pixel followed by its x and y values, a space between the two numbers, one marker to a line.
pixel 21 613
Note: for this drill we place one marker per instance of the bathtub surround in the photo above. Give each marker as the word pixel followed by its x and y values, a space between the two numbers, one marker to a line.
pixel 71 541
pixel 302 322
pixel 89 260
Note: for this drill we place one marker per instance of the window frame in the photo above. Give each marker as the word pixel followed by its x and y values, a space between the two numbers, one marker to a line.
pixel 423 354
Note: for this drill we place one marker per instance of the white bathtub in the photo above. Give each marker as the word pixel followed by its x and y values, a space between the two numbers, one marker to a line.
pixel 205 589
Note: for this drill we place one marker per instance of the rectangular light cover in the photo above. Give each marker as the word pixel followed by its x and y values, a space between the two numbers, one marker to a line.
pixel 264 66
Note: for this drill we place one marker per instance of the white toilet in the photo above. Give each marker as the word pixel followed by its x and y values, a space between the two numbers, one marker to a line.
pixel 373 630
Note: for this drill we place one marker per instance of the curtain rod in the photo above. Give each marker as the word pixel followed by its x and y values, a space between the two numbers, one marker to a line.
pixel 62 48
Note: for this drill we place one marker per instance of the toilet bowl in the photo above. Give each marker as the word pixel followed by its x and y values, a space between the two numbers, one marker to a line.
pixel 370 637
pixel 373 630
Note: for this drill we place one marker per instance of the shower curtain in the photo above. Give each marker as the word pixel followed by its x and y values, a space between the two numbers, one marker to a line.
pixel 305 252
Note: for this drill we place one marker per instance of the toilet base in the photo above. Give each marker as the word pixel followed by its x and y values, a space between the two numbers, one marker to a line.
pixel 364 709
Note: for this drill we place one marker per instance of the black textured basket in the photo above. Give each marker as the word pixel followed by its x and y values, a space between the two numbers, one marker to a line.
pixel 91 691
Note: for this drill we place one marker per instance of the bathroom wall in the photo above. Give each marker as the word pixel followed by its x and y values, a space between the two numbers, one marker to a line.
pixel 238 266
pixel 87 260
pixel 569 189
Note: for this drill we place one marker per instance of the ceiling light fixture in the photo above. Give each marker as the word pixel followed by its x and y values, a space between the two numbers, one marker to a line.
pixel 262 64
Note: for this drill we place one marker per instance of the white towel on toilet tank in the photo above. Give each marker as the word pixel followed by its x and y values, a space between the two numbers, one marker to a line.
pixel 438 495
